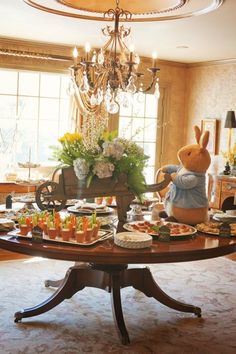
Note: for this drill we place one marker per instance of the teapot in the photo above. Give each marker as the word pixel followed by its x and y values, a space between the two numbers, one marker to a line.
pixel 135 213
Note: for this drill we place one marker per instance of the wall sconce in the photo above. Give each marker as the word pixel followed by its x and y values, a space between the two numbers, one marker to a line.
pixel 230 123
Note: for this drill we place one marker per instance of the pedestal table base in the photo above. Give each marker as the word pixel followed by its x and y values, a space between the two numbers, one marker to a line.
pixel 111 278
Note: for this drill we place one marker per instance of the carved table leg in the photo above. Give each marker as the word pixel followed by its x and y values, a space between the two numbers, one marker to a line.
pixel 76 279
pixel 117 308
pixel 142 279
pixel 65 291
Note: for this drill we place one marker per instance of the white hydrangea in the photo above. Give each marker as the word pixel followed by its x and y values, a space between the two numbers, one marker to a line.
pixel 81 168
pixel 113 148
pixel 103 169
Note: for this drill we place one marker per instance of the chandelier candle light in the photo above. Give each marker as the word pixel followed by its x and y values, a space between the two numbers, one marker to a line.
pixel 102 77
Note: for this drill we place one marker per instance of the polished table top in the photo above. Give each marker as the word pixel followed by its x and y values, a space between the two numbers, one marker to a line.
pixel 202 246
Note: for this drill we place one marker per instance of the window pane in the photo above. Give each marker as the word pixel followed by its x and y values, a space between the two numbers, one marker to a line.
pixel 150 150
pixel 27 139
pixel 28 83
pixel 8 135
pixel 140 125
pixel 28 120
pixel 8 107
pixel 151 106
pixel 125 127
pixel 149 174
pixel 8 82
pixel 48 136
pixel 28 108
pixel 50 85
pixel 64 109
pixel 65 80
pixel 138 129
pixel 126 110
pixel 138 108
pixel 49 108
pixel 150 130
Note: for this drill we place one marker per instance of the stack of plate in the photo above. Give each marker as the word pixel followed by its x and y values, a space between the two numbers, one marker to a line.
pixel 133 240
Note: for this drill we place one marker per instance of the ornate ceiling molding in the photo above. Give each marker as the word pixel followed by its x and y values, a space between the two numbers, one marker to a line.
pixel 148 10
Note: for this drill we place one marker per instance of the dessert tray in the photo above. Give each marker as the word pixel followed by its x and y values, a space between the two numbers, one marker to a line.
pixel 6 224
pixel 133 240
pixel 14 214
pixel 24 199
pixel 213 228
pixel 177 231
pixel 29 182
pixel 90 208
pixel 102 236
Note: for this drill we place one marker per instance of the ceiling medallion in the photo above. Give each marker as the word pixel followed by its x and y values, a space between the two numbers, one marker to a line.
pixel 148 10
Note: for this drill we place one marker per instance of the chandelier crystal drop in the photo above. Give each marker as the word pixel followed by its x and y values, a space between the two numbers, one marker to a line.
pixel 102 77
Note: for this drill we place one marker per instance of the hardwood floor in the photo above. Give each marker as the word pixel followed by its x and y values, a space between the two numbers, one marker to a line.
pixel 7 256
pixel 232 256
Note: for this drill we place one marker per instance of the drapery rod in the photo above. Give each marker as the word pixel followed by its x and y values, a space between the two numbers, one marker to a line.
pixel 33 55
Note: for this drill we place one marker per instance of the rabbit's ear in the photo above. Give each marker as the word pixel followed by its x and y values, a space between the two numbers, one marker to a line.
pixel 204 139
pixel 197 133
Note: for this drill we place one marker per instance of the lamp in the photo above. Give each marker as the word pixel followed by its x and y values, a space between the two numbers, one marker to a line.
pixel 102 77
pixel 230 123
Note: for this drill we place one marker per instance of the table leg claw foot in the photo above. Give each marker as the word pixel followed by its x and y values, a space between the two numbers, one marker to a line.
pixel 53 283
pixel 198 312
pixel 18 317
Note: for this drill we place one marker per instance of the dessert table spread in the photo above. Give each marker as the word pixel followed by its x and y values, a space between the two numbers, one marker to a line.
pixel 110 267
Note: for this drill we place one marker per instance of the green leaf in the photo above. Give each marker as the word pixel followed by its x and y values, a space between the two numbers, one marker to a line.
pixel 89 180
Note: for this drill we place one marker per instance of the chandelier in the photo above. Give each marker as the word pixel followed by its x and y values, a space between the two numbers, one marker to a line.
pixel 104 77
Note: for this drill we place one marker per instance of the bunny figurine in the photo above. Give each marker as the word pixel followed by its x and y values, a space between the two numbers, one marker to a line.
pixel 186 200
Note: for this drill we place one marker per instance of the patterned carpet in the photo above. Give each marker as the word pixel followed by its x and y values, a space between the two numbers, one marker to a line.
pixel 84 323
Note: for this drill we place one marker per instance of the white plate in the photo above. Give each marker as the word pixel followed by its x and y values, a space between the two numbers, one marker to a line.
pixel 102 236
pixel 223 217
pixel 133 240
pixel 76 210
pixel 133 226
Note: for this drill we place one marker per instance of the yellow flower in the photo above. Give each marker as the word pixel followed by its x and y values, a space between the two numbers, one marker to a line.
pixel 62 139
pixel 76 136
pixel 107 135
pixel 70 137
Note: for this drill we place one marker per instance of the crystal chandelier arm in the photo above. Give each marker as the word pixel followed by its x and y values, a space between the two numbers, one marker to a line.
pixel 154 79
pixel 122 45
pixel 106 46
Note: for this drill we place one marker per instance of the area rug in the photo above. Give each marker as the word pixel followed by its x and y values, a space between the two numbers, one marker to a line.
pixel 84 323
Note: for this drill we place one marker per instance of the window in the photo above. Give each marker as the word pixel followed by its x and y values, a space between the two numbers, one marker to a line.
pixel 139 123
pixel 34 112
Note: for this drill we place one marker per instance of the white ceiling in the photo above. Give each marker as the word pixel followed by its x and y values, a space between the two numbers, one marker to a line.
pixel 208 37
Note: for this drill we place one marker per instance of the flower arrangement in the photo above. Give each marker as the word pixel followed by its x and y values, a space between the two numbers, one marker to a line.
pixel 231 155
pixel 108 156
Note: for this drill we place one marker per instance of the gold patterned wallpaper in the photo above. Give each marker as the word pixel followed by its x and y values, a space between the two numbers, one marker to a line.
pixel 211 92
pixel 173 80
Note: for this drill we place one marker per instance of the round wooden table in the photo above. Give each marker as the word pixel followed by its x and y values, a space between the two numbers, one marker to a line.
pixel 109 267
